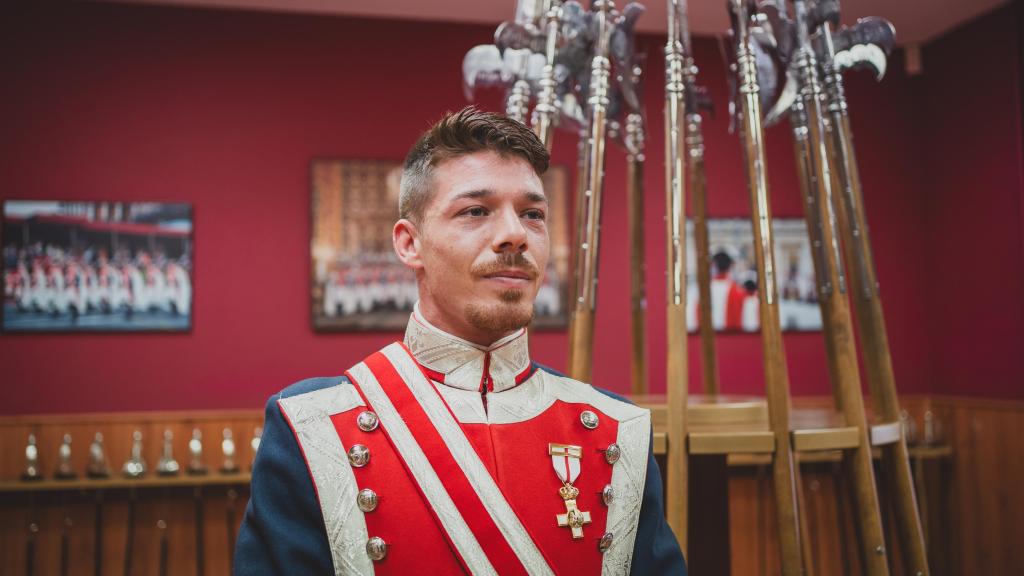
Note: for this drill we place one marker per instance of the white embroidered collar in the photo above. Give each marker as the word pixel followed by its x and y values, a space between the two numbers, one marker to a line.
pixel 462 363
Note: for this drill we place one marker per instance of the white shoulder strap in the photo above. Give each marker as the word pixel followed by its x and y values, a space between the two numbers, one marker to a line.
pixel 310 418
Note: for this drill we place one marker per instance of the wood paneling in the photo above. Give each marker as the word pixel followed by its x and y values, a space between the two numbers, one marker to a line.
pixel 968 490
pixel 67 510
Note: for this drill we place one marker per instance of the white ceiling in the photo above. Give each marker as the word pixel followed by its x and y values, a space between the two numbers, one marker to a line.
pixel 916 21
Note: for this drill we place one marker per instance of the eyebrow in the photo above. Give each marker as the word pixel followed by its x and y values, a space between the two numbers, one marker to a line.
pixel 483 193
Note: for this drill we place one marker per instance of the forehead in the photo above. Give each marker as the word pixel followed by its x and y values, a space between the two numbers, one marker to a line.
pixel 484 171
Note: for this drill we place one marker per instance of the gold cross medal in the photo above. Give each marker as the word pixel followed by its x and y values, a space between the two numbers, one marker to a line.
pixel 566 461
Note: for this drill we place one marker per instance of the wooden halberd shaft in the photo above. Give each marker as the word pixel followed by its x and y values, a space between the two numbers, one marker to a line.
pixel 585 304
pixel 701 235
pixel 675 219
pixel 776 373
pixel 808 132
pixel 635 142
pixel 867 304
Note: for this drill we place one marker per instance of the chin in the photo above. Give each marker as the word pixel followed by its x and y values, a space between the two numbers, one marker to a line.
pixel 500 317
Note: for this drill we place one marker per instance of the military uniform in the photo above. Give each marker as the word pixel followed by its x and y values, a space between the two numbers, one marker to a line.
pixel 439 456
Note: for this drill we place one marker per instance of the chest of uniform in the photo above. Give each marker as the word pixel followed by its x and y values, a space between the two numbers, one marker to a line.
pixel 554 470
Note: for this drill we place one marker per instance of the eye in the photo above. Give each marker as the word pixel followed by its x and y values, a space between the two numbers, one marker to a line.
pixel 534 214
pixel 475 211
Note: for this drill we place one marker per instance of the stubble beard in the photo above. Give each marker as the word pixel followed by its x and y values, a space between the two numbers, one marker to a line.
pixel 512 313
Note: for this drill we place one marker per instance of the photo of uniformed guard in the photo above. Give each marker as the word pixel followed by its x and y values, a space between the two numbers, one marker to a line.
pixel 451 451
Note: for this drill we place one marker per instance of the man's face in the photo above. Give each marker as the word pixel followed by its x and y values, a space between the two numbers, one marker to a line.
pixel 481 246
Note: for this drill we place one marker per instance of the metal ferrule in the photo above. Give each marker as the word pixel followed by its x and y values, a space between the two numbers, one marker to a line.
pixel 832 78
pixel 519 101
pixel 674 86
pixel 600 66
pixel 545 113
pixel 835 94
pixel 635 139
pixel 599 72
pixel 694 134
pixel 746 70
pixel 694 121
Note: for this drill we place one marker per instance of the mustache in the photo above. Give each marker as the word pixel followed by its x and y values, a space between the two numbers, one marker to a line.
pixel 508 261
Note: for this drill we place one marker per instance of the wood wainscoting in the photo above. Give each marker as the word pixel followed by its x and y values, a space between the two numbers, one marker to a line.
pixel 969 481
pixel 190 520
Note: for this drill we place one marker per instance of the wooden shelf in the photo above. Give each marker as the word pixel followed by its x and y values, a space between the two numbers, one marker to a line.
pixel 821 439
pixel 118 482
pixel 749 442
pixel 916 453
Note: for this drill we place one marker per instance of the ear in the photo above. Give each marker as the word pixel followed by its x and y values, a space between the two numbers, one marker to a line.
pixel 405 238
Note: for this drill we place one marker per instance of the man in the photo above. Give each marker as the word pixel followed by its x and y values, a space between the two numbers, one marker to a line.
pixel 727 297
pixel 452 452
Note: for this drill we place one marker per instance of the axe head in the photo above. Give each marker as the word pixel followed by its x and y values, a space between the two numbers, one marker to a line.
pixel 529 12
pixel 575 20
pixel 574 53
pixel 517 37
pixel 621 43
pixel 482 66
pixel 572 116
pixel 866 44
pixel 780 28
pixel 821 12
pixel 628 64
pixel 775 96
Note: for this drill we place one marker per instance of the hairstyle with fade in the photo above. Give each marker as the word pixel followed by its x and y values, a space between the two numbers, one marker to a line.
pixel 457 134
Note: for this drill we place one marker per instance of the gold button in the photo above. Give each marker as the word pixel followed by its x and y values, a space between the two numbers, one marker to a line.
pixel 605 543
pixel 612 453
pixel 376 548
pixel 366 500
pixel 358 455
pixel 367 421
pixel 607 495
pixel 589 419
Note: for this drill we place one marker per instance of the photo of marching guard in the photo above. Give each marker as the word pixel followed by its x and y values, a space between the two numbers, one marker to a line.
pixel 96 266
pixel 539 287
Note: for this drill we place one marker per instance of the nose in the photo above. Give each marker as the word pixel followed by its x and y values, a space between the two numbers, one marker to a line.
pixel 510 234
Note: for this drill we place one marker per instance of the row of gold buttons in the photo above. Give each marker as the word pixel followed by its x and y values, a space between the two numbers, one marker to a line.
pixel 366 499
pixel 612 454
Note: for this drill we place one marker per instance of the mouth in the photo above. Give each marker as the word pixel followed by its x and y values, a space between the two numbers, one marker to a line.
pixel 511 277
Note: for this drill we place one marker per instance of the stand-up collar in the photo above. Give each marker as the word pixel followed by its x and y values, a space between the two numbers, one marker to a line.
pixel 463 364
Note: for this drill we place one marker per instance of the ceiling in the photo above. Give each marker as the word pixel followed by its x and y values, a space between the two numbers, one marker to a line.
pixel 916 21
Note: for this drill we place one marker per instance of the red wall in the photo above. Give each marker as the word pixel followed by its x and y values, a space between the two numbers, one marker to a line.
pixel 225 110
pixel 975 208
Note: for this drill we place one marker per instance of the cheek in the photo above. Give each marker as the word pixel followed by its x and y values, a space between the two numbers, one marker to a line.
pixel 541 244
pixel 443 255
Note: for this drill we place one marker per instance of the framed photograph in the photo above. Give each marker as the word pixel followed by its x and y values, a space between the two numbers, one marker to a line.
pixel 357 280
pixel 97 266
pixel 734 299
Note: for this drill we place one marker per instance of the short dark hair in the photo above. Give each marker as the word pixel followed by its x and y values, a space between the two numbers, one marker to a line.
pixel 457 134
pixel 722 261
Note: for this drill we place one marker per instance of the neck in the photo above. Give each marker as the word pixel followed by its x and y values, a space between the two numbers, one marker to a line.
pixel 461 363
pixel 462 329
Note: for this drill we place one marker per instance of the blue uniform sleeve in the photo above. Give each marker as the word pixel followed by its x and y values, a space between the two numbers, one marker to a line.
pixel 283 530
pixel 656 550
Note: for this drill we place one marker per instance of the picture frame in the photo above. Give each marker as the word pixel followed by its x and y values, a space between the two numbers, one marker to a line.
pixel 357 282
pixel 97 266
